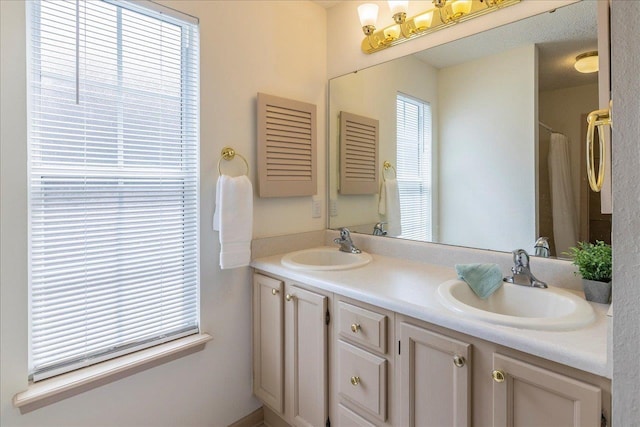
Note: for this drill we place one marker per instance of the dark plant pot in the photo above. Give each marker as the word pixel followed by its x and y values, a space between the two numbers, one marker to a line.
pixel 597 291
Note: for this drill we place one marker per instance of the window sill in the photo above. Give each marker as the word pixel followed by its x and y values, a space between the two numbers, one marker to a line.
pixel 54 389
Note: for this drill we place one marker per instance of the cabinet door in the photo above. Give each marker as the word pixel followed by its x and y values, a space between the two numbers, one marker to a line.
pixel 527 395
pixel 434 379
pixel 306 349
pixel 268 345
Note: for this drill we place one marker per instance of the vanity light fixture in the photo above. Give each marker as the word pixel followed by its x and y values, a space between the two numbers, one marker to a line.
pixel 443 14
pixel 587 62
pixel 399 10
pixel 453 10
pixel 368 14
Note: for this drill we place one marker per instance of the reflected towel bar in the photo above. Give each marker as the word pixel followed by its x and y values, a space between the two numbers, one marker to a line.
pixel 385 167
pixel 596 120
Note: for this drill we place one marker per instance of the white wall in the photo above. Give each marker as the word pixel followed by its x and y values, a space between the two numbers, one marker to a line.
pixel 246 47
pixel 372 93
pixel 488 151
pixel 625 63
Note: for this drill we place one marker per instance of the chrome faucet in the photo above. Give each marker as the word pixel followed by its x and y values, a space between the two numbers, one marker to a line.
pixel 345 242
pixel 522 274
pixel 541 247
pixel 378 229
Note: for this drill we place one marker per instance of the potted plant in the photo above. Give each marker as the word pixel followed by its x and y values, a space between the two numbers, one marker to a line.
pixel 594 265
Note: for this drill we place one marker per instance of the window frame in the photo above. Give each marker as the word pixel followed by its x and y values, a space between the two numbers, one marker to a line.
pixel 189 119
pixel 423 179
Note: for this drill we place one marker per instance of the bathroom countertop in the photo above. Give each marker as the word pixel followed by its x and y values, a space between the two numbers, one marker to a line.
pixel 409 288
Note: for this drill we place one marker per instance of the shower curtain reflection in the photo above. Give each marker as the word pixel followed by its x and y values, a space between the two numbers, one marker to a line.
pixel 565 217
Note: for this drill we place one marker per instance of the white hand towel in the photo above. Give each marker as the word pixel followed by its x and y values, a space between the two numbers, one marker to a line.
pixel 235 212
pixel 382 201
pixel 389 206
pixel 216 214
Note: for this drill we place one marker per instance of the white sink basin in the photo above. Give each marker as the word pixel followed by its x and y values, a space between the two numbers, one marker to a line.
pixel 324 258
pixel 519 306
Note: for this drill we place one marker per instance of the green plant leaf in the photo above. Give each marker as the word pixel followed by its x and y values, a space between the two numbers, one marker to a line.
pixel 594 260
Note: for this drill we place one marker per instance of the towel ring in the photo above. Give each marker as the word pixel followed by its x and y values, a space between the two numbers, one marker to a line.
pixel 596 120
pixel 229 154
pixel 385 167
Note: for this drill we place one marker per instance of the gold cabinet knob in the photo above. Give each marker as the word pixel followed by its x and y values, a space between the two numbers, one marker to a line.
pixel 355 327
pixel 355 381
pixel 288 297
pixel 274 291
pixel 459 361
pixel 498 376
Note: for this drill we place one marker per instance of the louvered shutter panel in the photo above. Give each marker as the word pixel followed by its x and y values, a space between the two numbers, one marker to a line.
pixel 358 154
pixel 287 159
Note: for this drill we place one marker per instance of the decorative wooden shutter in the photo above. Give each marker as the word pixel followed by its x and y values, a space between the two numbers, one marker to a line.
pixel 358 154
pixel 287 159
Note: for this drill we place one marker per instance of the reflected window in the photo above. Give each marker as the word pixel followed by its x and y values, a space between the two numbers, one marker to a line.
pixel 414 167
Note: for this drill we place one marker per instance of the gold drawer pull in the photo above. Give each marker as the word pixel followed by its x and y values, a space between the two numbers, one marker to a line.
pixel 288 297
pixel 355 327
pixel 355 381
pixel 498 376
pixel 274 291
pixel 459 361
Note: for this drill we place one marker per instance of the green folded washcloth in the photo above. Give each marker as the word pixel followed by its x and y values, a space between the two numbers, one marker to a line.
pixel 483 279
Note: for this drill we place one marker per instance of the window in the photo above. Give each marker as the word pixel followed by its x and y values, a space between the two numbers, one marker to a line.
pixel 113 152
pixel 414 167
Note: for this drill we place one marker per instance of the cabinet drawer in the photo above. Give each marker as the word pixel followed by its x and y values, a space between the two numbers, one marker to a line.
pixel 348 418
pixel 363 326
pixel 362 379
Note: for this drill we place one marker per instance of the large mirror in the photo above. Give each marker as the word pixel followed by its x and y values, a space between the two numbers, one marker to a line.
pixel 483 138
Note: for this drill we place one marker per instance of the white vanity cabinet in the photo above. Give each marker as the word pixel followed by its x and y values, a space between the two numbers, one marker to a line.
pixel 449 378
pixel 290 337
pixel 376 367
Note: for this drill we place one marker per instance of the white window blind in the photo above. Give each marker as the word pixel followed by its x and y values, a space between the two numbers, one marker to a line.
pixel 414 167
pixel 113 148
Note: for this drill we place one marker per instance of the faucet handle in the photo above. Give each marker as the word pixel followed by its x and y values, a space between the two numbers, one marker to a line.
pixel 542 241
pixel 378 229
pixel 541 247
pixel 520 258
pixel 345 233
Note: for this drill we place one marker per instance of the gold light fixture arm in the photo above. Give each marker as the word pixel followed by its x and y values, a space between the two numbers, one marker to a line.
pixel 596 119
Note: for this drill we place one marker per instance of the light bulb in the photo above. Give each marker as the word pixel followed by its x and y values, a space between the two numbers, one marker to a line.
pixel 368 14
pixel 398 6
pixel 587 62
